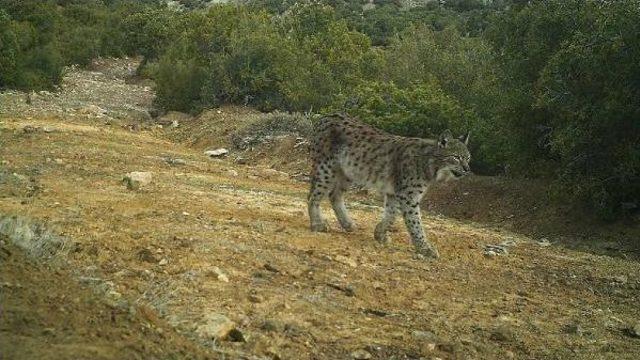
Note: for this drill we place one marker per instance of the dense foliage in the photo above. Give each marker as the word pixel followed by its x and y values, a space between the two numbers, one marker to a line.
pixel 38 38
pixel 547 88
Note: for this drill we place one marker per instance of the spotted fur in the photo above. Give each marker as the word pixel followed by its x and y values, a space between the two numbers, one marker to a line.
pixel 347 152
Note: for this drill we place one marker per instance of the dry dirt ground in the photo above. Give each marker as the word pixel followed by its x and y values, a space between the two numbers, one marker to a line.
pixel 143 270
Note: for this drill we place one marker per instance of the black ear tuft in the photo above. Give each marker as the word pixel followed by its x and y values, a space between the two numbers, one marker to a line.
pixel 444 138
pixel 465 138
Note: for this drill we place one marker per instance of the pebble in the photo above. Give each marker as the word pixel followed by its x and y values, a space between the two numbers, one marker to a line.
pixel 494 250
pixel 217 152
pixel 216 326
pixel 423 335
pixel 346 260
pixel 137 179
pixel 361 354
pixel 544 242
pixel 163 262
pixel 176 161
pixel 219 274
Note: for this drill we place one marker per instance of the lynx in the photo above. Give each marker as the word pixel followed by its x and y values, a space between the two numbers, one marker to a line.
pixel 346 152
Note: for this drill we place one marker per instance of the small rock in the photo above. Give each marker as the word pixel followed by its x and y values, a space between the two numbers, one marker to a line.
pixel 544 242
pixel 217 152
pixel 137 179
pixel 361 354
pixel 493 250
pixel 48 129
pixel 423 335
pixel 490 253
pixel 219 274
pixel 216 326
pixel 176 161
pixel 346 260
pixel 163 262
pixel 114 299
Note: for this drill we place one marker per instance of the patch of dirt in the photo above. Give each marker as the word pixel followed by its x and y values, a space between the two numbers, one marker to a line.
pixel 227 126
pixel 523 206
pixel 210 238
pixel 47 314
pixel 100 94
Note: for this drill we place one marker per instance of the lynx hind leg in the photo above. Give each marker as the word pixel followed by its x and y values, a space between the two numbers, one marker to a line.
pixel 388 218
pixel 322 182
pixel 410 207
pixel 337 202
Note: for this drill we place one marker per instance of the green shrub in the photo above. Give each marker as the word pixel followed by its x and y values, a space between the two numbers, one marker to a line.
pixel 8 50
pixel 296 62
pixel 419 111
pixel 570 108
pixel 591 86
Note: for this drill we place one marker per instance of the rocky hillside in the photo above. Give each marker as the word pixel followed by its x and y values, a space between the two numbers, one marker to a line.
pixel 122 239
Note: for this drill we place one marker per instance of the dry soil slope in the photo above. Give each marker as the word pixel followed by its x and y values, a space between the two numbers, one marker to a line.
pixel 536 302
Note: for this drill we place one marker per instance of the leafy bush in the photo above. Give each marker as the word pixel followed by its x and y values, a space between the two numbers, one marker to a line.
pixel 572 79
pixel 296 62
pixel 419 111
pixel 8 50
pixel 38 38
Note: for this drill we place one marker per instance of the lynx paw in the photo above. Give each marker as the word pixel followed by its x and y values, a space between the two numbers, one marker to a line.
pixel 381 236
pixel 320 227
pixel 427 251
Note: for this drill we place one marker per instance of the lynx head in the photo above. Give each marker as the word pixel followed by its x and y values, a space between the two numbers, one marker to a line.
pixel 452 156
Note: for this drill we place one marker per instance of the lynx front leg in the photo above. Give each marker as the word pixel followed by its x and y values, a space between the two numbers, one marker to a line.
pixel 388 218
pixel 412 219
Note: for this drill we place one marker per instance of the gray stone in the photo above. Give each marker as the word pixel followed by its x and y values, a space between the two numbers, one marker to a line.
pixel 423 335
pixel 137 179
pixel 215 327
pixel 217 152
pixel 361 354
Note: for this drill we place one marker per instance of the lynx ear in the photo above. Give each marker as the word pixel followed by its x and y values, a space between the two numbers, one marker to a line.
pixel 444 138
pixel 465 138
